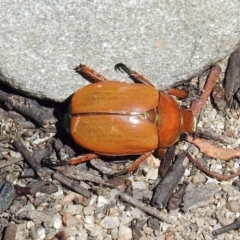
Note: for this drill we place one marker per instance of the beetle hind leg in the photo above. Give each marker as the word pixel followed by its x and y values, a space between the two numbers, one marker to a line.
pixel 132 74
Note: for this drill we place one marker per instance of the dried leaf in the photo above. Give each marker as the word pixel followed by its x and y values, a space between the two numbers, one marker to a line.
pixel 211 150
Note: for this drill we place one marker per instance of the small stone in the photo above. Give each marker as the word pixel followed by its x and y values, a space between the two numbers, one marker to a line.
pixel 89 219
pixel 136 213
pixel 198 178
pixel 212 114
pixel 200 222
pixel 233 205
pixel 124 233
pixel 187 172
pixel 110 222
pixel 102 201
pixel 139 185
pixel 74 209
pixel 114 233
pixel 169 237
pixel 152 174
pixel 57 221
pixel 30 224
pixel 113 212
pixel 40 233
pixel 147 230
pixel 153 223
pixel 89 210
pixel 95 229
pixel 222 202
pixel 220 125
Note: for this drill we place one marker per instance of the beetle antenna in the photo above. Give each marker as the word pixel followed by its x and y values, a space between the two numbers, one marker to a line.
pixel 123 68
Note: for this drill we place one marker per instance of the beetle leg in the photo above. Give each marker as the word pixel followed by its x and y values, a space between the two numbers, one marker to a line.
pixel 139 160
pixel 177 92
pixel 82 158
pixel 132 74
pixel 89 74
pixel 133 166
pixel 212 78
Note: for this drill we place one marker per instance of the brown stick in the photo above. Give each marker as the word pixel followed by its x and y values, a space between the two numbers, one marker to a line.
pixel 211 173
pixel 32 158
pixel 72 184
pixel 227 228
pixel 146 208
pixel 11 161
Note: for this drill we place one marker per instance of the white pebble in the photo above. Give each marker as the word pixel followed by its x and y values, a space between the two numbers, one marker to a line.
pixel 139 185
pixel 124 233
pixel 41 233
pixel 136 213
pixel 110 222
pixel 114 233
pixel 152 174
pixel 89 219
pixel 198 178
pixel 212 114
pixel 102 201
pixel 220 125
pixel 187 172
pixel 57 221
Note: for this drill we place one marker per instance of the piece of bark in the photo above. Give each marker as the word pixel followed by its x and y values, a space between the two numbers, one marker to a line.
pixel 136 226
pixel 232 80
pixel 167 160
pixel 10 232
pixel 177 197
pixel 28 107
pixel 218 96
pixel 165 187
pixel 7 195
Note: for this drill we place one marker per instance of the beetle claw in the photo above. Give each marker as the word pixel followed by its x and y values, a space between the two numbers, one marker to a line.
pixel 49 163
pixel 79 67
pixel 123 68
pixel 118 174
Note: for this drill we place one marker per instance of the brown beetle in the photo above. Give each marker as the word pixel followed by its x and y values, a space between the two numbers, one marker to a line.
pixel 117 118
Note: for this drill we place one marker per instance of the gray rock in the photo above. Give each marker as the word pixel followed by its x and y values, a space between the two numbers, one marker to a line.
pixel 199 196
pixel 167 41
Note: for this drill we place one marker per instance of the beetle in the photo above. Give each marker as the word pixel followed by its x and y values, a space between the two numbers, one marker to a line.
pixel 115 118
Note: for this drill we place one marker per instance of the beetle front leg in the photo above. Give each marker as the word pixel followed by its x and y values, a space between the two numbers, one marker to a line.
pixel 90 74
pixel 212 78
pixel 132 74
